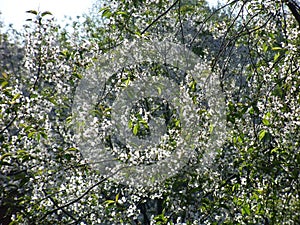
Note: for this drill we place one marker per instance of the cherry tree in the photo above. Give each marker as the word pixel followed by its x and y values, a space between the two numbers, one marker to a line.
pixel 248 49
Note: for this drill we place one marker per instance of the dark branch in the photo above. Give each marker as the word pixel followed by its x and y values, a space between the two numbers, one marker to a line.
pixel 294 8
pixel 81 196
pixel 159 17
pixel 9 124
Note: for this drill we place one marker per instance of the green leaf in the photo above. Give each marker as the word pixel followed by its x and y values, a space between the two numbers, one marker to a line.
pixel 38 137
pixel 109 202
pixel 117 197
pixel 145 124
pixel 31 134
pixel 130 124
pixel 266 122
pixel 275 150
pixel 138 33
pixel 159 90
pixel 211 128
pixel 44 135
pixel 46 13
pixel 69 119
pixel 103 8
pixel 266 119
pixel 136 129
pixel 5 155
pixel 122 13
pixel 240 139
pixel 276 48
pixel 77 75
pixel 16 96
pixel 265 47
pixel 276 57
pixel 5 75
pixel 235 187
pixel 32 12
pixel 107 13
pixel 192 85
pixel 4 84
pixel 246 209
pixel 262 134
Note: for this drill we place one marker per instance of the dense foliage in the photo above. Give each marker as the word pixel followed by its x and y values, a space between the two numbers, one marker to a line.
pixel 252 178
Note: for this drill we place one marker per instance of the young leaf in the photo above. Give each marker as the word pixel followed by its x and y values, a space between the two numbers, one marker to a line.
pixel 265 47
pixel 16 96
pixel 104 8
pixel 262 134
pixel 159 90
pixel 266 119
pixel 130 125
pixel 246 209
pixel 122 13
pixel 32 12
pixel 109 202
pixel 46 13
pixel 135 129
pixel 276 48
pixel 276 57
pixel 117 197
pixel 5 75
pixel 106 13
pixel 4 84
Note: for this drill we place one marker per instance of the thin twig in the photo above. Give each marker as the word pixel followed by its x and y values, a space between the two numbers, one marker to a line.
pixel 207 18
pixel 81 196
pixel 55 204
pixel 9 124
pixel 159 17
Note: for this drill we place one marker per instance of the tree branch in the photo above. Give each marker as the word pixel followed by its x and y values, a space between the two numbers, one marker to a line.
pixel 294 8
pixel 159 17
pixel 81 196
pixel 9 124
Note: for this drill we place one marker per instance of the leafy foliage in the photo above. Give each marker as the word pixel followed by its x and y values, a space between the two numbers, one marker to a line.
pixel 252 45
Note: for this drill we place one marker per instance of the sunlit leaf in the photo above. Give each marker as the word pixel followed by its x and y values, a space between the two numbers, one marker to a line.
pixel 276 48
pixel 135 129
pixel 262 134
pixel 276 56
pixel 117 197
